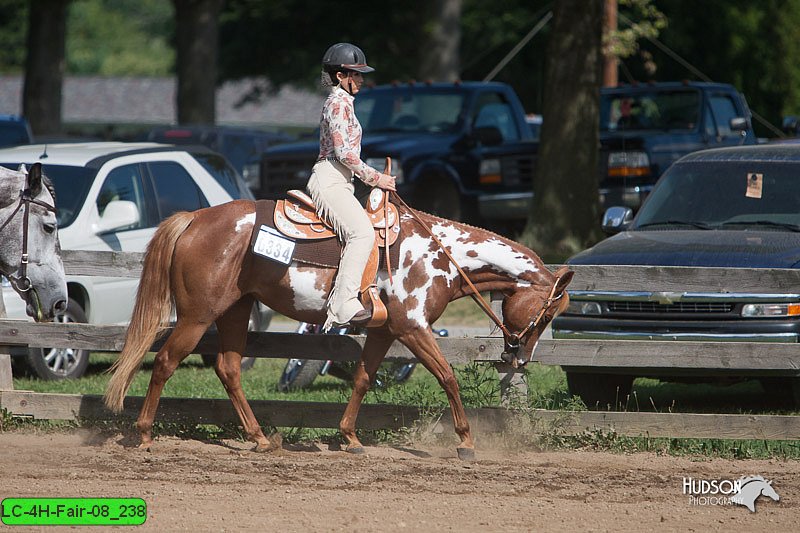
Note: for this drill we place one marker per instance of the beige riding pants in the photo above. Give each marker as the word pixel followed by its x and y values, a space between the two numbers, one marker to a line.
pixel 331 187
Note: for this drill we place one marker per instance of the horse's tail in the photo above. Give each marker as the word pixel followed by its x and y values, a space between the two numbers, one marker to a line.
pixel 152 310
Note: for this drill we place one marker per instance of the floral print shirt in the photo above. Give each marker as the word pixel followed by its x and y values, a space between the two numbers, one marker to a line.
pixel 340 135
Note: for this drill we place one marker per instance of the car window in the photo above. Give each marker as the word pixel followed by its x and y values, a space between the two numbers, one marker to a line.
pixel 175 189
pixel 13 133
pixel 71 184
pixel 724 110
pixel 225 175
pixel 493 111
pixel 124 183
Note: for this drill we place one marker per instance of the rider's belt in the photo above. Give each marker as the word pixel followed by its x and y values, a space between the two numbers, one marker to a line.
pixel 329 158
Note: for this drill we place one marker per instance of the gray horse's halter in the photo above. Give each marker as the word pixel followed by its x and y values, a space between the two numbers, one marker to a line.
pixel 23 282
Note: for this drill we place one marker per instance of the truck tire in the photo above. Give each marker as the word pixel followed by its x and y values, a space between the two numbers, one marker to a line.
pixel 54 364
pixel 438 196
pixel 600 391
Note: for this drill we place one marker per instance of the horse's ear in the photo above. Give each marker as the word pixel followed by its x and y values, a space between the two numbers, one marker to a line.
pixel 564 275
pixel 35 179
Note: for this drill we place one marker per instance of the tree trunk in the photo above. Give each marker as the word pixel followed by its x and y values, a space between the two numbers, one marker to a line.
pixel 610 61
pixel 565 214
pixel 44 65
pixel 439 57
pixel 196 36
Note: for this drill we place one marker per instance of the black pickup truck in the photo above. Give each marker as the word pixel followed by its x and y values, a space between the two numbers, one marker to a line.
pixel 452 144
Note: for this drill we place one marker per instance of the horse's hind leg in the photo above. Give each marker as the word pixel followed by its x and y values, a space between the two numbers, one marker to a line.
pixel 232 327
pixel 423 344
pixel 375 348
pixel 179 344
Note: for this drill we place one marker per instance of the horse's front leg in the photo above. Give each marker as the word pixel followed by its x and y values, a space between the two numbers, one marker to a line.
pixel 423 344
pixel 375 348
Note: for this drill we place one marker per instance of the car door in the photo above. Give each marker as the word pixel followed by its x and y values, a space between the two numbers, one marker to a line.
pixel 720 111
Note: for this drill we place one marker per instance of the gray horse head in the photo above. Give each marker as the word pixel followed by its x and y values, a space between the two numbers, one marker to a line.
pixel 30 254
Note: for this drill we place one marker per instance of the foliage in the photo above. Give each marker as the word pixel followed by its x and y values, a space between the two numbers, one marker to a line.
pixel 13 29
pixel 121 38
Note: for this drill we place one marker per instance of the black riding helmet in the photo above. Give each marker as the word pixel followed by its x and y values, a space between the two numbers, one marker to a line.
pixel 345 56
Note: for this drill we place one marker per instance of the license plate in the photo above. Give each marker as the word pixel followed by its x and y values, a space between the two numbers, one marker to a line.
pixel 273 245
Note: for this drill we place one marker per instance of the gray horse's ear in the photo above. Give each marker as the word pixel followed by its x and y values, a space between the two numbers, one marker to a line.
pixel 35 179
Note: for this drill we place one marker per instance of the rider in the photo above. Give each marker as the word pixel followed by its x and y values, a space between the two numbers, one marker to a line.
pixel 331 181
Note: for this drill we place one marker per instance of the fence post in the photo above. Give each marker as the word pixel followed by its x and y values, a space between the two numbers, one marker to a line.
pixel 513 387
pixel 6 383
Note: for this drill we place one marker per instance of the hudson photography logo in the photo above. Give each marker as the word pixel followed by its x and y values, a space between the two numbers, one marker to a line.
pixel 743 491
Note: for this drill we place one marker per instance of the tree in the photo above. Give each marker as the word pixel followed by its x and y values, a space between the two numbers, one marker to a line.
pixel 196 38
pixel 44 66
pixel 565 204
pixel 440 58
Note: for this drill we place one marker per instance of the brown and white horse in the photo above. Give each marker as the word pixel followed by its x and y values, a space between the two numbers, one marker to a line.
pixel 202 262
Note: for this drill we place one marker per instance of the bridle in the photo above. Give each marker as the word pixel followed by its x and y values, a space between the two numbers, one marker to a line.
pixel 23 282
pixel 511 340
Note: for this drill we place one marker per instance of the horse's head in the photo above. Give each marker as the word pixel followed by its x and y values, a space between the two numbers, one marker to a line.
pixel 30 253
pixel 528 311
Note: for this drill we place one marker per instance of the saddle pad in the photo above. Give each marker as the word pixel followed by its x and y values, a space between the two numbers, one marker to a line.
pixel 322 252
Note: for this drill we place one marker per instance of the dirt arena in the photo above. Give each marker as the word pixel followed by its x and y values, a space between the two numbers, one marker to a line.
pixel 191 485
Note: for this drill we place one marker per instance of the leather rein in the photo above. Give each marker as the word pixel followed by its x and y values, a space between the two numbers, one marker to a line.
pixel 511 340
pixel 23 282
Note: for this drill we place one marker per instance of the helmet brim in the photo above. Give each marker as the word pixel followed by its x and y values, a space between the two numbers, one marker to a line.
pixel 361 67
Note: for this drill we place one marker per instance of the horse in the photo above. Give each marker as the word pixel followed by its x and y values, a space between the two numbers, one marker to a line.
pixel 30 253
pixel 202 261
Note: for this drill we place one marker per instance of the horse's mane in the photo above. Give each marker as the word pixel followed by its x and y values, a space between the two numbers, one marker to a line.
pixel 749 479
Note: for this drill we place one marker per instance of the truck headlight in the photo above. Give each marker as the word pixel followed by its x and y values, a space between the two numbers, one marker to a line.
pixel 379 163
pixel 583 308
pixel 628 164
pixel 490 172
pixel 770 310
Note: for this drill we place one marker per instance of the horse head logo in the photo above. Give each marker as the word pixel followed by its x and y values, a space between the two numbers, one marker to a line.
pixel 751 488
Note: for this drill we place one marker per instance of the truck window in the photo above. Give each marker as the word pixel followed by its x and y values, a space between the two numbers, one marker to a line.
pixel 409 110
pixel 724 110
pixel 493 111
pixel 652 110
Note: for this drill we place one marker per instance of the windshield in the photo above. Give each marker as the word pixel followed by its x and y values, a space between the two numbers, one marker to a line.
pixel 657 110
pixel 71 184
pixel 731 195
pixel 412 110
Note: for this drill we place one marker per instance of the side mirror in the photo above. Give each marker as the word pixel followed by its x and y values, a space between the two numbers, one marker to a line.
pixel 488 135
pixel 616 219
pixel 738 124
pixel 790 125
pixel 118 214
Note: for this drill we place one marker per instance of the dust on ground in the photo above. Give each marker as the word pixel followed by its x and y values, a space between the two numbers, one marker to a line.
pixel 192 485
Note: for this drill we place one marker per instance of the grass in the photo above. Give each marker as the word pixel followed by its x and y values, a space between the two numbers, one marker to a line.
pixel 479 386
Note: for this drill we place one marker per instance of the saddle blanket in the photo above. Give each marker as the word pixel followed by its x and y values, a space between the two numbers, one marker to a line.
pixel 323 252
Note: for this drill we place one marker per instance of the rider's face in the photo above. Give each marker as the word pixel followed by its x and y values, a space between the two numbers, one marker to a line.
pixel 351 81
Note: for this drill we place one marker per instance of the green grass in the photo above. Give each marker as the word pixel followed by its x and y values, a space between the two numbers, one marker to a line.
pixel 479 388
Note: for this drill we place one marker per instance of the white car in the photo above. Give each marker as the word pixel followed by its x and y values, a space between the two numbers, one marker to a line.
pixel 111 196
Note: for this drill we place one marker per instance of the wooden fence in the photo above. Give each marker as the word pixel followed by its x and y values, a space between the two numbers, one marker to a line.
pixel 689 356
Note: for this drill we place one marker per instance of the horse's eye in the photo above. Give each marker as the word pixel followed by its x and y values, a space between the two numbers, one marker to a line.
pixel 49 228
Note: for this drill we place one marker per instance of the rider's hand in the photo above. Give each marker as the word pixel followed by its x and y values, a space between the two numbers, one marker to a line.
pixel 386 182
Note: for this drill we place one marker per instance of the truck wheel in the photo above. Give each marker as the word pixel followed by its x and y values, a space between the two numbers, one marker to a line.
pixel 53 364
pixel 438 197
pixel 600 391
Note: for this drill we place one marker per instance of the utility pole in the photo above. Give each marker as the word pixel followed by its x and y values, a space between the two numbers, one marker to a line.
pixel 610 76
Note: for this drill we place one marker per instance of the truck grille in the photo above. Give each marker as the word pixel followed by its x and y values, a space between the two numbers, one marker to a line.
pixel 518 170
pixel 675 308
pixel 281 175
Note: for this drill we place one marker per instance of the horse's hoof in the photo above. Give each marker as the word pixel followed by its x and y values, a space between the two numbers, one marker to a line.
pixel 466 454
pixel 145 446
pixel 355 450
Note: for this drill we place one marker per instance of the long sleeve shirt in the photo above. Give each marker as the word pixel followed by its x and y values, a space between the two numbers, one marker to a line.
pixel 340 135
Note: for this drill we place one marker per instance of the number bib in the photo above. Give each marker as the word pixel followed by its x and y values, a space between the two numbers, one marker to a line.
pixel 273 245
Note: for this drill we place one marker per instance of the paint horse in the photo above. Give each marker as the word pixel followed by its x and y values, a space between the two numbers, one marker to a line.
pixel 202 261
pixel 30 254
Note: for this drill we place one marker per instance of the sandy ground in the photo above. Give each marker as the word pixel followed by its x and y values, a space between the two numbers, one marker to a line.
pixel 191 485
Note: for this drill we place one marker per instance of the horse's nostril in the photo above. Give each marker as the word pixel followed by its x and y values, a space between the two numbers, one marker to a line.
pixel 60 306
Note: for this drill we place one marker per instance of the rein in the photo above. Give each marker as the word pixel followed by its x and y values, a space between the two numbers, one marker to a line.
pixel 511 340
pixel 23 282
